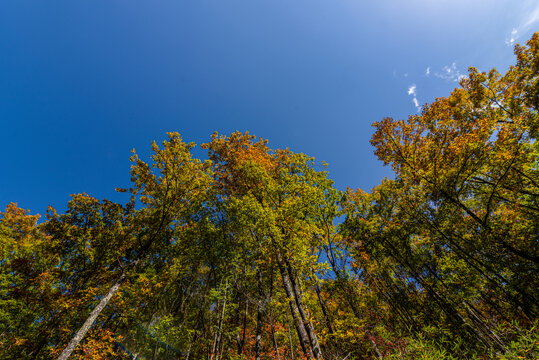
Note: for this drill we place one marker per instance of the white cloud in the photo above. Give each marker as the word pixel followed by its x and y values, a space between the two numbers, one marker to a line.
pixel 529 19
pixel 513 38
pixel 427 72
pixel 412 91
pixel 450 73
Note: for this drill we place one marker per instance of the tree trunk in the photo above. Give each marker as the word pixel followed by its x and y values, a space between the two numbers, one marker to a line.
pixel 241 338
pixel 103 303
pixel 290 337
pixel 219 333
pixel 258 340
pixel 313 340
pixel 300 326
pixel 91 319
pixel 323 307
pixel 275 345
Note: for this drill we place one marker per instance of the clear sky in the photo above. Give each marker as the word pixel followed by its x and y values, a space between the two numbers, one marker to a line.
pixel 84 82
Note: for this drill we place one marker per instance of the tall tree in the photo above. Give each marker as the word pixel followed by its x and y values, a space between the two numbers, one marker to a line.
pixel 454 235
pixel 282 201
pixel 169 195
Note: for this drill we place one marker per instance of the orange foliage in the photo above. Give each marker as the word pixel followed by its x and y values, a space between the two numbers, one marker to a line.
pixel 238 154
pixel 99 344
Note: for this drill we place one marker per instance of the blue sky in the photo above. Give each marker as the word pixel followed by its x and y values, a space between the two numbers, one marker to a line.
pixel 84 82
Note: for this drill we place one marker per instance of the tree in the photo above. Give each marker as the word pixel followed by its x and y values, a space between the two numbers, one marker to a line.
pixel 283 204
pixel 454 235
pixel 169 195
pixel 238 256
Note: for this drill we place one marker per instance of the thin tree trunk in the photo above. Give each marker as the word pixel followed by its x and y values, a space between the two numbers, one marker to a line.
pixel 313 340
pixel 155 350
pixel 216 334
pixel 290 337
pixel 221 320
pixel 323 306
pixel 241 339
pixel 91 319
pixel 300 326
pixel 258 340
pixel 190 345
pixel 275 345
pixel 376 348
pixel 103 303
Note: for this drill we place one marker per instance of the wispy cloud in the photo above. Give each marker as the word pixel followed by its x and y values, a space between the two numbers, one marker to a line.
pixel 512 38
pixel 412 91
pixel 529 19
pixel 450 73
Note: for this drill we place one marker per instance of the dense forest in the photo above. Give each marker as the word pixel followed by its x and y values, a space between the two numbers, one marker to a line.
pixel 253 253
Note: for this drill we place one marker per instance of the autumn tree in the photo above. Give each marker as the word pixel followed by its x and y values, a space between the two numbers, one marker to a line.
pixel 170 191
pixel 238 256
pixel 282 205
pixel 452 239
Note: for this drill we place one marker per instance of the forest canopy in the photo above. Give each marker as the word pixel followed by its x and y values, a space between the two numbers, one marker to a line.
pixel 241 256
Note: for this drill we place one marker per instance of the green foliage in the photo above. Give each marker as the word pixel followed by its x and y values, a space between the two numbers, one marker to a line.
pixel 451 242
pixel 238 256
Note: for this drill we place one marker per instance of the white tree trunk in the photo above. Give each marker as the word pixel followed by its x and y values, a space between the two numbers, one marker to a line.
pixel 91 319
